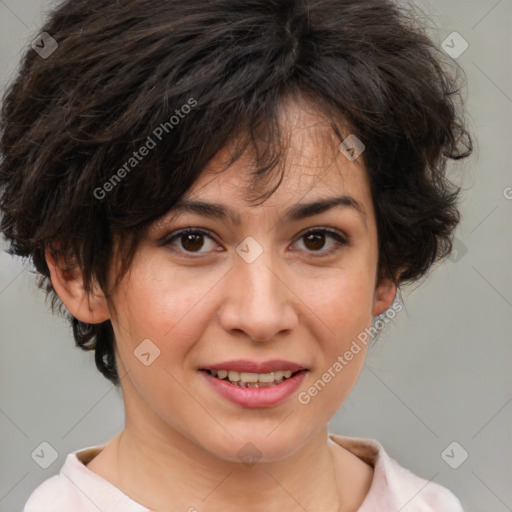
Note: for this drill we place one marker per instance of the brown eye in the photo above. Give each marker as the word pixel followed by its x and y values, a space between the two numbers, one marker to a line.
pixel 190 241
pixel 315 240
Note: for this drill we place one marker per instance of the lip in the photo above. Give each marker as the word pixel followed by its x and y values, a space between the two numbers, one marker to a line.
pixel 243 365
pixel 256 397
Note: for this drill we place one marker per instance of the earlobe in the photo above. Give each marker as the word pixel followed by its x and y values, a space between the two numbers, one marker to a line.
pixel 89 307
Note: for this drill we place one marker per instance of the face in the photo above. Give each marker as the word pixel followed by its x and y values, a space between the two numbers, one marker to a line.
pixel 272 282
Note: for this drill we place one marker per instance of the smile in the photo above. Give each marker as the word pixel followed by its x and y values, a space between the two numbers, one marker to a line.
pixel 252 380
pixel 255 393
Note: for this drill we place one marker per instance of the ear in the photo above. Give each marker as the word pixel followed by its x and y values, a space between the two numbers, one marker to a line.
pixel 384 296
pixel 92 307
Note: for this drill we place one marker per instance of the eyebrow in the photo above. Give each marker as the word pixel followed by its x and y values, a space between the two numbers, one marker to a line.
pixel 294 213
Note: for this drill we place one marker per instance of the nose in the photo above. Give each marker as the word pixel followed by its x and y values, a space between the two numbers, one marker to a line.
pixel 259 300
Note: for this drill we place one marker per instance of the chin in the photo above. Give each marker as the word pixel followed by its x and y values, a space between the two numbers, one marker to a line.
pixel 255 447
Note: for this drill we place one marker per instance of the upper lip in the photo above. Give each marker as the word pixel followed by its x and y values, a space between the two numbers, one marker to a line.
pixel 242 365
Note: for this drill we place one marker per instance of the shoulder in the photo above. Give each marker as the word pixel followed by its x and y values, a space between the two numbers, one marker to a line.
pixel 69 490
pixel 54 495
pixel 394 487
pixel 419 494
pixel 78 489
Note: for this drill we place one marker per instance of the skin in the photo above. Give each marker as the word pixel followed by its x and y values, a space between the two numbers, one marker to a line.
pixel 179 446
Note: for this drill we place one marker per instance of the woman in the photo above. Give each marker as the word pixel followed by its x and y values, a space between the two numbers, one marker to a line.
pixel 225 196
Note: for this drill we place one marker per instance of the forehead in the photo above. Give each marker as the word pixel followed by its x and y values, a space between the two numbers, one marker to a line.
pixel 311 164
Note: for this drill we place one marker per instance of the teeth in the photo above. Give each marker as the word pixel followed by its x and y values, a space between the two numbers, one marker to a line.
pixel 267 377
pixel 247 379
pixel 279 375
pixel 234 376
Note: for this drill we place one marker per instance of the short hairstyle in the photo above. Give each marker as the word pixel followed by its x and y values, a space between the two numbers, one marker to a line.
pixel 185 77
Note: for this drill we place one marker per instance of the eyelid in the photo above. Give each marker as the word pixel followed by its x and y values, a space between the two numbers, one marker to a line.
pixel 340 237
pixel 341 240
pixel 167 239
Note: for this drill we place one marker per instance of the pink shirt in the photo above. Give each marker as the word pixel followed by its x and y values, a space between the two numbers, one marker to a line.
pixel 394 488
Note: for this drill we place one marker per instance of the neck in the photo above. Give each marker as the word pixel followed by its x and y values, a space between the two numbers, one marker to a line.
pixel 157 471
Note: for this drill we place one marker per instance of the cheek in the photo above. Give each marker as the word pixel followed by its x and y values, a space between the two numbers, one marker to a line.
pixel 171 309
pixel 344 306
pixel 163 301
pixel 168 308
pixel 329 390
pixel 342 300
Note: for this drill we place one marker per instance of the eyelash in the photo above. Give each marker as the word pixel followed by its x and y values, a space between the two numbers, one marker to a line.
pixel 341 240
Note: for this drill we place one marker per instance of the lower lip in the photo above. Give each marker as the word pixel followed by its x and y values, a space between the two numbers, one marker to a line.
pixel 256 397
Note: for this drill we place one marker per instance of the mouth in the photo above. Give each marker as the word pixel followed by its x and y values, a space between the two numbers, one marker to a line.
pixel 255 385
pixel 253 380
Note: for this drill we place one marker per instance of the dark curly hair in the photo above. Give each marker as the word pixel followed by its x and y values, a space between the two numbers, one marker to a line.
pixel 126 72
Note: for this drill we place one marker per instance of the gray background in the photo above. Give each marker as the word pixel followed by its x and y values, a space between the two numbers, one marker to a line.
pixel 440 373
